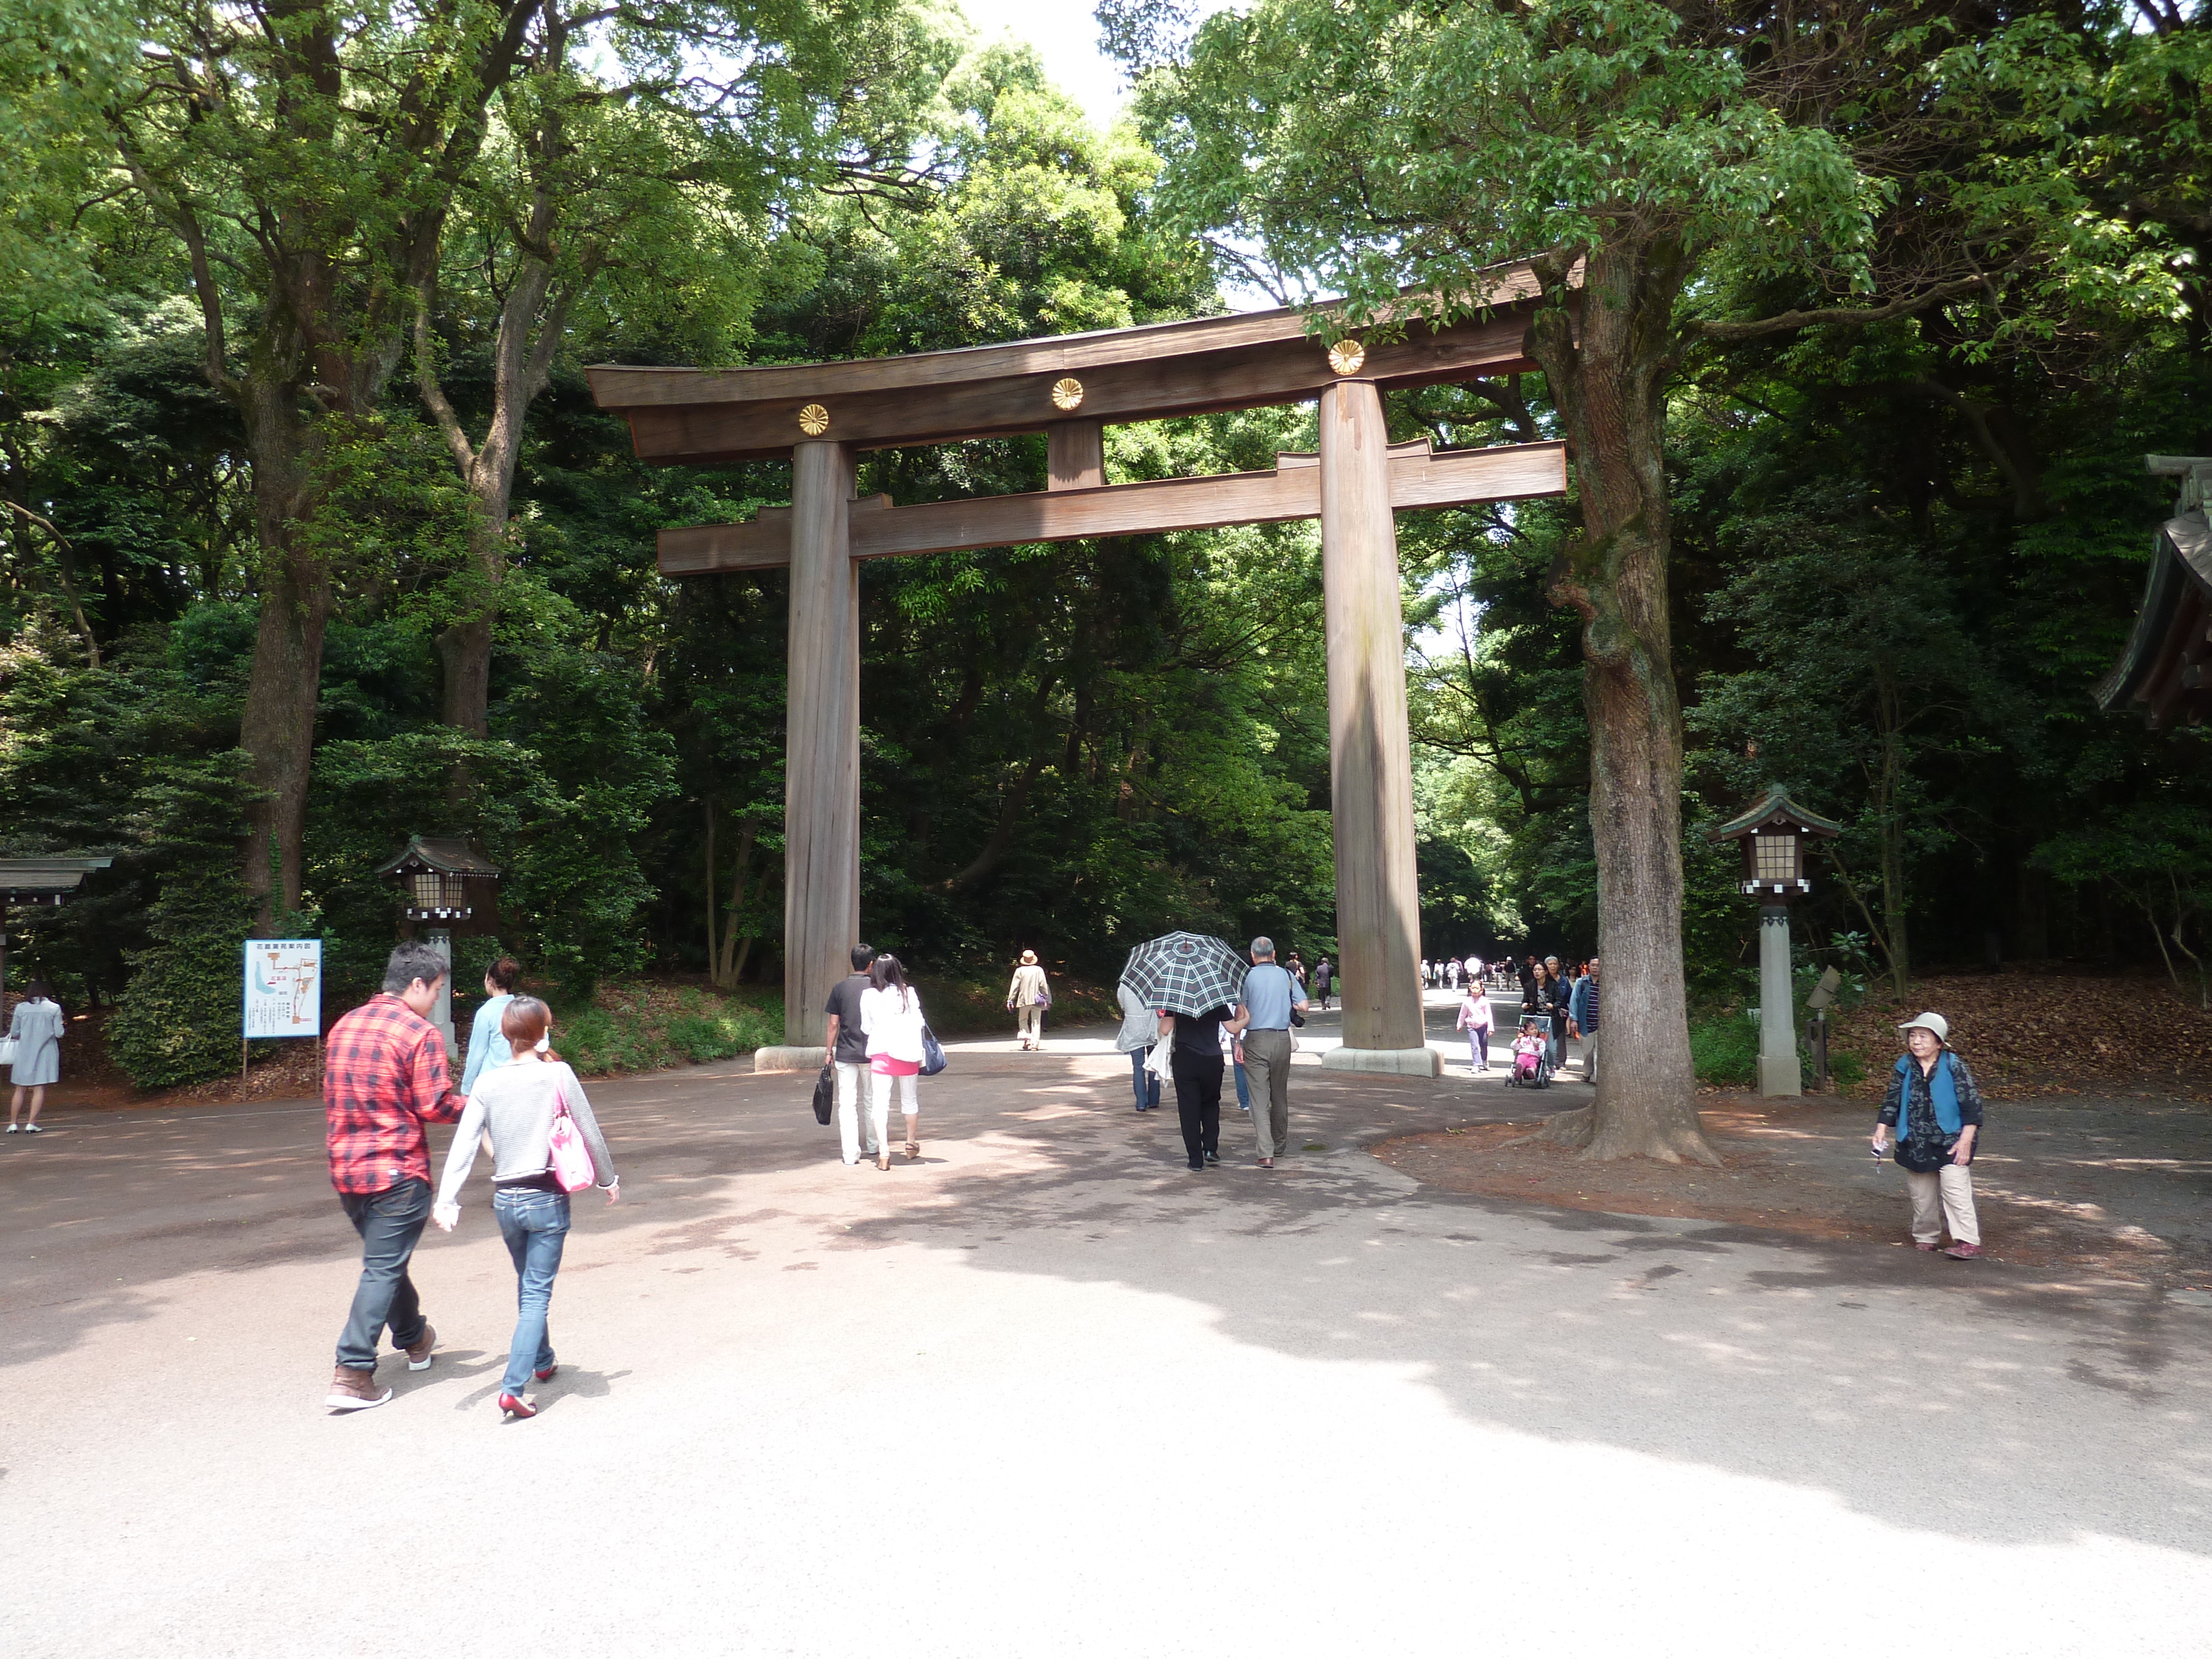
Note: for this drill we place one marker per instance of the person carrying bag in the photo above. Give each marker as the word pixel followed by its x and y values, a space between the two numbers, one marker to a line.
pixel 545 1144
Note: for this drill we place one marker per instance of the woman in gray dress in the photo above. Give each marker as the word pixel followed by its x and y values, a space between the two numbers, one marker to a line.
pixel 37 1029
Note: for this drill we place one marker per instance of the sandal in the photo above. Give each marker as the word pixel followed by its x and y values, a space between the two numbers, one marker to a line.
pixel 883 1159
pixel 913 1151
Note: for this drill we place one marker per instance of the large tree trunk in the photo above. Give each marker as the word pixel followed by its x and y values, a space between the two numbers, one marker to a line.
pixel 278 727
pixel 1608 377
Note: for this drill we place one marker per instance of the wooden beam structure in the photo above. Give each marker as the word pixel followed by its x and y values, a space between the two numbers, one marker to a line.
pixel 1418 478
pixel 1069 387
pixel 705 416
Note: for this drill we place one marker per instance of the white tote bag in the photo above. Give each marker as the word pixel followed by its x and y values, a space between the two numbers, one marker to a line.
pixel 1161 1055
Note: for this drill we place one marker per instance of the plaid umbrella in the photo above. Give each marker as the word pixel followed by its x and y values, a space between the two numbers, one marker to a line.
pixel 1186 973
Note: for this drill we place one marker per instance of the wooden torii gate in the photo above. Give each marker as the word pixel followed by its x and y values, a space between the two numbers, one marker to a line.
pixel 1069 386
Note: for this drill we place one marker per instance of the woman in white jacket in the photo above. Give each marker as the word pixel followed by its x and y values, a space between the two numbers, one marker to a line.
pixel 890 1016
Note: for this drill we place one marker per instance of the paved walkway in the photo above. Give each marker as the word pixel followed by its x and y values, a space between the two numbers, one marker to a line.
pixel 1047 1393
pixel 1324 1031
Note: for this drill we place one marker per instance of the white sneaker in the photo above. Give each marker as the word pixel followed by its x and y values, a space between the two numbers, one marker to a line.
pixel 15 1128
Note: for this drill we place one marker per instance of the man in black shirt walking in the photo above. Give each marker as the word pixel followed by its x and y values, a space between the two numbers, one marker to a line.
pixel 848 1052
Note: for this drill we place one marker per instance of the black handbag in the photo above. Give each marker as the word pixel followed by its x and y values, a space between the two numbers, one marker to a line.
pixel 932 1053
pixel 825 1094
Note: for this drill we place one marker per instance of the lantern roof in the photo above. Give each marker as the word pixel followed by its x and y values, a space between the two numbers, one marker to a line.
pixel 449 855
pixel 1774 811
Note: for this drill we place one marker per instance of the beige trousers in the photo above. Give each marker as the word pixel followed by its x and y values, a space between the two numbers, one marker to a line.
pixel 1942 1195
pixel 1267 1071
pixel 1031 1026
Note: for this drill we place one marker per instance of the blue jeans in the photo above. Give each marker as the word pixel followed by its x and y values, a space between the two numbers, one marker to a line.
pixel 1243 1089
pixel 1478 1046
pixel 390 1224
pixel 1147 1086
pixel 535 1224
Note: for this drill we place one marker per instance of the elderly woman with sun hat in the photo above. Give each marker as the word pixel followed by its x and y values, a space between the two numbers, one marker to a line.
pixel 1934 1113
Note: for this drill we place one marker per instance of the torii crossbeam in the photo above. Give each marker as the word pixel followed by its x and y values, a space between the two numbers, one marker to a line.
pixel 1069 386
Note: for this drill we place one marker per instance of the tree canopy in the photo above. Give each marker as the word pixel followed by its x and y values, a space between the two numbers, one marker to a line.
pixel 1864 322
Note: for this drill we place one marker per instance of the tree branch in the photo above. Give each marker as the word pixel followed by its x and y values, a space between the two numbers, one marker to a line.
pixel 1851 316
pixel 187 227
pixel 434 394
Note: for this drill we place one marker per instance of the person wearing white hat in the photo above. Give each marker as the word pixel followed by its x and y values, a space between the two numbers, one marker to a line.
pixel 1936 1113
pixel 1029 996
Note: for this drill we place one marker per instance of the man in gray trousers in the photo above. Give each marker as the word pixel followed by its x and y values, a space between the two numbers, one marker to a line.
pixel 1271 995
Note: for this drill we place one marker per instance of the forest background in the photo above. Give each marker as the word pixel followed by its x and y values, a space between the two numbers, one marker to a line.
pixel 372 248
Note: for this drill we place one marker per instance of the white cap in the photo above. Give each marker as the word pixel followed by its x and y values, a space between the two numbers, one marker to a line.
pixel 1935 1022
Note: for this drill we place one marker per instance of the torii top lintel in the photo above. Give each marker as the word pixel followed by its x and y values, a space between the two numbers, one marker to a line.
pixel 703 416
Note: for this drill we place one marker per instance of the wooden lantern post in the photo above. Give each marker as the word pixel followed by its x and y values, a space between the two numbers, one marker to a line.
pixel 1772 835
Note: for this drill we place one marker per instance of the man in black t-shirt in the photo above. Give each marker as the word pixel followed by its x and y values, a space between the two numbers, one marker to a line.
pixel 848 1052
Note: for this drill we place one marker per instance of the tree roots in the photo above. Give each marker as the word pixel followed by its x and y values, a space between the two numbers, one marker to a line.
pixel 1674 1143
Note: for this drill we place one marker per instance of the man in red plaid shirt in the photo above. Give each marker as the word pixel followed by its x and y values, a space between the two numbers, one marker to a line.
pixel 384 1078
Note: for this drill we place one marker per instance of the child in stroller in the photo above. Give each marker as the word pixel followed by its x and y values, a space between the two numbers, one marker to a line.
pixel 1532 1064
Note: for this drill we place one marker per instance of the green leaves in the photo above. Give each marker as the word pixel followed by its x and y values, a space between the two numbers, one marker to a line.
pixel 1374 144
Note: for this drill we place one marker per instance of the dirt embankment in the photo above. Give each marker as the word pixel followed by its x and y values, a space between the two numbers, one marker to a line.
pixel 2028 1033
pixel 2103 1187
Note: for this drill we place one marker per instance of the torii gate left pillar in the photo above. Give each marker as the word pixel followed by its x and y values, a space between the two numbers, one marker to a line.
pixel 822 748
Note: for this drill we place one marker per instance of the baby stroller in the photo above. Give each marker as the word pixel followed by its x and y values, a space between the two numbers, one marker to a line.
pixel 1531 1070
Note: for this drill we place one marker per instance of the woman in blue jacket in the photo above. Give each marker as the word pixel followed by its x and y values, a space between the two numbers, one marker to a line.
pixel 487 1049
pixel 1936 1113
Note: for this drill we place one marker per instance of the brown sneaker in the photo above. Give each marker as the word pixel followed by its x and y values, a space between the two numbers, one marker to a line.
pixel 354 1391
pixel 418 1357
pixel 1964 1251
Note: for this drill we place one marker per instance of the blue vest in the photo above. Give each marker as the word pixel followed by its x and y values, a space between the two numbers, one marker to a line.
pixel 1942 1094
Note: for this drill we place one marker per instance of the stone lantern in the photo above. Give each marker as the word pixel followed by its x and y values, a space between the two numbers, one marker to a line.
pixel 444 881
pixel 1773 835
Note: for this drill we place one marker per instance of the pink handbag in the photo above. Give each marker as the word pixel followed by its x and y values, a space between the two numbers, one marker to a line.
pixel 567 1159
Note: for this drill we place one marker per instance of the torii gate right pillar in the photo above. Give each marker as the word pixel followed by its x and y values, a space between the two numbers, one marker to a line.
pixel 1370 761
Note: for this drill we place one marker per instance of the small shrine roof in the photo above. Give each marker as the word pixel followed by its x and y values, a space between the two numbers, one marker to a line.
pixel 46 877
pixel 450 855
pixel 1774 811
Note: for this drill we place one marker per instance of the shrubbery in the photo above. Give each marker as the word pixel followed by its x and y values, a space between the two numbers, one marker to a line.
pixel 640 1027
pixel 179 1022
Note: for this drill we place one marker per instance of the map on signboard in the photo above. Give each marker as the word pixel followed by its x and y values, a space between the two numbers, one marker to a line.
pixel 284 987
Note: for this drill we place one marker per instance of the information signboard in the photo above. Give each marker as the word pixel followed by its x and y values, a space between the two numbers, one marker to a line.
pixel 284 987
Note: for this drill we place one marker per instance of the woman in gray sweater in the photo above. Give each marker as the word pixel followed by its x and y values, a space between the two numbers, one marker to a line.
pixel 516 1104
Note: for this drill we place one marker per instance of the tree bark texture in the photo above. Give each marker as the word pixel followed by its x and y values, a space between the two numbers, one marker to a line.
pixel 1608 368
pixel 278 728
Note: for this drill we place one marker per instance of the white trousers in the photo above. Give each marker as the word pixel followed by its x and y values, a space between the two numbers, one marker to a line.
pixel 1032 1023
pixel 880 1102
pixel 1943 1195
pixel 852 1080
